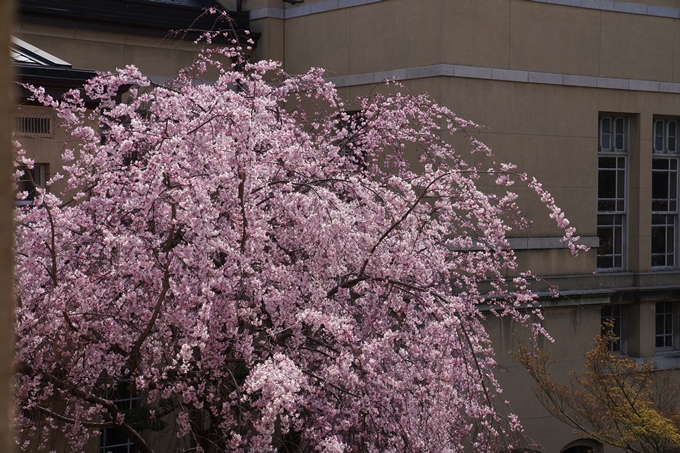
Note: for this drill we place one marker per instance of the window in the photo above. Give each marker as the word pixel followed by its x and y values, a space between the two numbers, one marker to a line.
pixel 666 326
pixel 33 125
pixel 616 316
pixel 28 183
pixel 611 191
pixel 112 440
pixel 665 193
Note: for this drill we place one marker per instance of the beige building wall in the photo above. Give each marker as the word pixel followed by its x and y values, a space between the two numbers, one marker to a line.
pixel 537 74
pixel 84 49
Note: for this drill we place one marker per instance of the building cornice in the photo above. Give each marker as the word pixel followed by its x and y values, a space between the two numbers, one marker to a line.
pixel 618 7
pixel 601 5
pixel 506 75
pixel 306 10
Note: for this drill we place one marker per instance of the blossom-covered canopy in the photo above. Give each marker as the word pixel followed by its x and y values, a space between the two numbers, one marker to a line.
pixel 266 271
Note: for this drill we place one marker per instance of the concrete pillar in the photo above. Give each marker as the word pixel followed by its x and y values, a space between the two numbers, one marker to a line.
pixel 641 317
pixel 640 194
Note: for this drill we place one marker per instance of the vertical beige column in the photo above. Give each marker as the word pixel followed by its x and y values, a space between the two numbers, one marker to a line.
pixel 641 317
pixel 641 341
pixel 271 45
pixel 272 41
pixel 640 194
pixel 6 228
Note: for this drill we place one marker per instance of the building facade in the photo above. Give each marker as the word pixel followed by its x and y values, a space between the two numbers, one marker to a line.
pixel 582 94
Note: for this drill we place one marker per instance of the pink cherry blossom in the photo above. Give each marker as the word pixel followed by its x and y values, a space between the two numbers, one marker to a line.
pixel 265 271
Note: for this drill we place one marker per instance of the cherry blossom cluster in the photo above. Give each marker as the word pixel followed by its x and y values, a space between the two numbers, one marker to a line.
pixel 266 271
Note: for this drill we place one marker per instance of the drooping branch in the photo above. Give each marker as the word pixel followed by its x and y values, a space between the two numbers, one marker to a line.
pixel 72 421
pixel 135 352
pixel 113 412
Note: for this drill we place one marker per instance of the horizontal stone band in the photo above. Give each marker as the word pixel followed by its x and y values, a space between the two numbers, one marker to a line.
pixel 602 5
pixel 508 75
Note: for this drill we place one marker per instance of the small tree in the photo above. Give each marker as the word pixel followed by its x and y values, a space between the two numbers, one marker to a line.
pixel 614 400
pixel 266 272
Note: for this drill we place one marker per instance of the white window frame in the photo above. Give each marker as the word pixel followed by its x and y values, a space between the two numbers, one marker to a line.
pixel 613 147
pixel 39 174
pixel 665 160
pixel 619 314
pixel 126 403
pixel 666 338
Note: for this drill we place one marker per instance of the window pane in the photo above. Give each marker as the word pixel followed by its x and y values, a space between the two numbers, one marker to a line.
pixel 619 126
pixel 620 184
pixel 112 439
pixel 620 134
pixel 670 236
pixel 619 142
pixel 606 125
pixel 113 436
pixel 618 243
pixel 605 134
pixel 29 184
pixel 659 185
pixel 672 135
pixel 664 324
pixel 621 163
pixel 658 136
pixel 606 206
pixel 610 234
pixel 660 164
pixel 606 236
pixel 611 184
pixel 606 184
pixel 611 314
pixel 607 162
pixel 605 262
pixel 658 239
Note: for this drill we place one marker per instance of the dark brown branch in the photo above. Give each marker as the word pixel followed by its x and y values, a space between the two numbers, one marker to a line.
pixel 244 228
pixel 52 246
pixel 361 276
pixel 113 411
pixel 134 354
pixel 73 421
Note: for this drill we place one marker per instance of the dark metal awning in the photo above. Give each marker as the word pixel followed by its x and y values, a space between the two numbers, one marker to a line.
pixel 36 67
pixel 137 17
